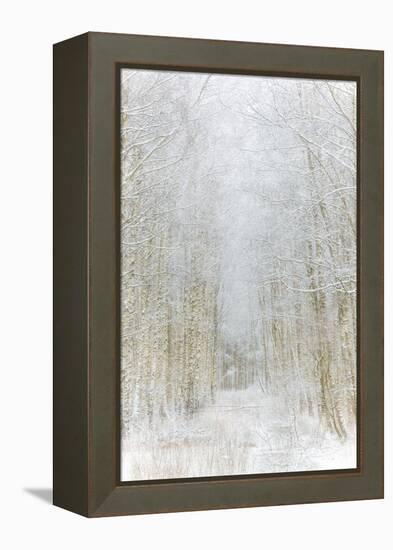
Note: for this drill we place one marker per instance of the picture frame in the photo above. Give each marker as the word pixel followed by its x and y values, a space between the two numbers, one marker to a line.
pixel 87 265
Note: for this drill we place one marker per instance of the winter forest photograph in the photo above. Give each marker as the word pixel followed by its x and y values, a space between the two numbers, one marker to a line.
pixel 238 269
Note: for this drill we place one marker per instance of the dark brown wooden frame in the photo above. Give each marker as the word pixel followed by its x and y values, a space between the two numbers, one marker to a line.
pixel 86 274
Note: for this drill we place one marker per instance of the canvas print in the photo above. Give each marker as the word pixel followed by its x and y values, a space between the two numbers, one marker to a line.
pixel 238 274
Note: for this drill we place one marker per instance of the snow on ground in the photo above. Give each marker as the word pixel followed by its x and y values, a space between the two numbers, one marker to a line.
pixel 244 432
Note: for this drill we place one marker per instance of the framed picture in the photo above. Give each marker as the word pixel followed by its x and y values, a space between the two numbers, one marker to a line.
pixel 218 274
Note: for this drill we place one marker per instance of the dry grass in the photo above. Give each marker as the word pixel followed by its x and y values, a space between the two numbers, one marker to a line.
pixel 240 434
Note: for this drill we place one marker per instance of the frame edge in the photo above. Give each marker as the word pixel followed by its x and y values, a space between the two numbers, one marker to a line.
pixel 70 270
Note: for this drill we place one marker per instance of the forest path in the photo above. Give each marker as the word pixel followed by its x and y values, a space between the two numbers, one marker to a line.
pixel 244 432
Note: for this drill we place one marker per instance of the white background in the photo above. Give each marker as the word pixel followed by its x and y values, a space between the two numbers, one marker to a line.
pixel 28 30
